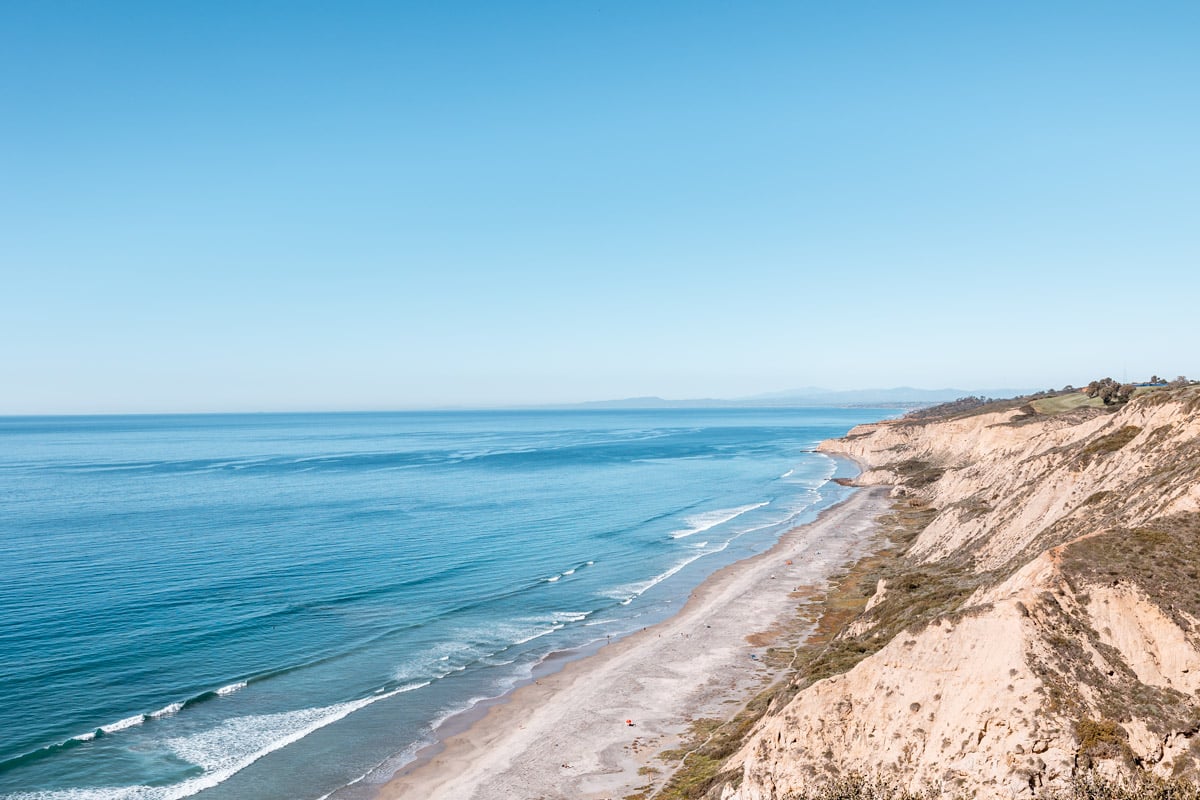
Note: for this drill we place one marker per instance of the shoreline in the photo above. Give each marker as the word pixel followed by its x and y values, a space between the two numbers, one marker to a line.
pixel 564 734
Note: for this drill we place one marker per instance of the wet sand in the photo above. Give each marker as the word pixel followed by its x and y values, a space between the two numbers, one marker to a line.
pixel 566 735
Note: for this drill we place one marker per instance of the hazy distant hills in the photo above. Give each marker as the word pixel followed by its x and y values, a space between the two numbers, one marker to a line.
pixel 899 394
pixel 812 396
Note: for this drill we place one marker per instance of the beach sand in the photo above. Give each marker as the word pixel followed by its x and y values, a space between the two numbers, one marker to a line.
pixel 566 735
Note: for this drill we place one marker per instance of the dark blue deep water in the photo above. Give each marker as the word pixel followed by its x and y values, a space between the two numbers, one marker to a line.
pixel 268 607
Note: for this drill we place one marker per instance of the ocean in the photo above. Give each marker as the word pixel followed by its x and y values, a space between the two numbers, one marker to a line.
pixel 285 606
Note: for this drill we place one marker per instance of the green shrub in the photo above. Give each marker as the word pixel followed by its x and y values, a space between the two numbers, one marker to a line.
pixel 1101 739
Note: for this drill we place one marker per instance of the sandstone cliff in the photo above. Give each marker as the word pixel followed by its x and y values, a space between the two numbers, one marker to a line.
pixel 1044 621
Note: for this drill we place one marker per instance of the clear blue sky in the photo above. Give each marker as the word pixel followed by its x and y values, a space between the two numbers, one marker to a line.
pixel 295 205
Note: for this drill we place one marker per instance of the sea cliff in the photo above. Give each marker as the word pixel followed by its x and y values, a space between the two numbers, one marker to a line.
pixel 1040 620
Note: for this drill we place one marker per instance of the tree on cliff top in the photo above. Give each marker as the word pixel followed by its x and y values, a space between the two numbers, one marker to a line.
pixel 1110 391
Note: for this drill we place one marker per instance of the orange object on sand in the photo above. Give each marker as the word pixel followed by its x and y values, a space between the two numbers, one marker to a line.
pixel 628 722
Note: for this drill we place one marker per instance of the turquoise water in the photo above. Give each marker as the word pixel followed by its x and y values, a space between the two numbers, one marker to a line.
pixel 274 606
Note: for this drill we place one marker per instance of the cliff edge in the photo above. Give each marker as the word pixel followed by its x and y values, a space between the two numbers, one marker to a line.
pixel 1041 618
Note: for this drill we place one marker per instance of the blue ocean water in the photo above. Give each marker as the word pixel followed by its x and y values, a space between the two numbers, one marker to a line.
pixel 271 607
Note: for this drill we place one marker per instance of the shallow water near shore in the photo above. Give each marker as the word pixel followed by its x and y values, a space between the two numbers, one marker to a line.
pixel 272 606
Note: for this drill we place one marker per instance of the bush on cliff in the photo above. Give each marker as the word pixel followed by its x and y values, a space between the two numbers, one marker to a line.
pixel 1110 391
pixel 1087 785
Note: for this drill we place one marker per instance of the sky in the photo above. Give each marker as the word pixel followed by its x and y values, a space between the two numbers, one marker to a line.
pixel 228 206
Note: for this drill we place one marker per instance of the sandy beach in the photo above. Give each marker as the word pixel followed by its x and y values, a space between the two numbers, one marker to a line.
pixel 566 736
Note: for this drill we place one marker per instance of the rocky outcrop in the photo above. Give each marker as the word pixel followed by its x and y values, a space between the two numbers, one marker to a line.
pixel 1074 642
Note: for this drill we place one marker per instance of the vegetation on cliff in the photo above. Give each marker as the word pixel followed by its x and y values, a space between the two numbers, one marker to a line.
pixel 1075 518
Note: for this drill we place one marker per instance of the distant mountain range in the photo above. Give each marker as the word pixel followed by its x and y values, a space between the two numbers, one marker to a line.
pixel 901 396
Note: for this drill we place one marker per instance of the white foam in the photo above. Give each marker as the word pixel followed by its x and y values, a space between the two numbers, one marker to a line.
pixel 539 634
pixel 760 528
pixel 657 579
pixel 636 590
pixel 231 688
pixel 787 474
pixel 123 724
pixel 166 711
pixel 328 795
pixel 491 661
pixel 256 735
pixel 409 687
pixel 438 661
pixel 223 751
pixel 455 709
pixel 235 463
pixel 627 593
pixel 569 572
pixel 524 630
pixel 831 466
pixel 710 519
pixel 552 580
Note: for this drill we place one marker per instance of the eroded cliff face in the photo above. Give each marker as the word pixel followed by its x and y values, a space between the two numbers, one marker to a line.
pixel 1073 642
